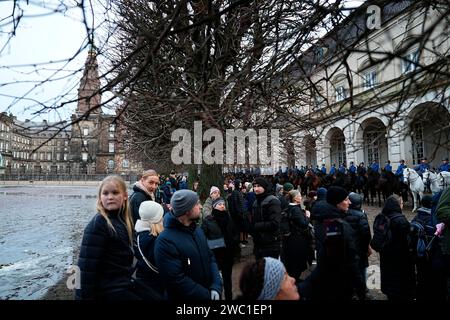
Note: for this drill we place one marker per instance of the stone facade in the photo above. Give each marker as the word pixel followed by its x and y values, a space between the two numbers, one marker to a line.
pixel 392 108
pixel 89 145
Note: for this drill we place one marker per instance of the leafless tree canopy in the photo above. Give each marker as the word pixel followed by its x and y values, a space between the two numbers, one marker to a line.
pixel 237 64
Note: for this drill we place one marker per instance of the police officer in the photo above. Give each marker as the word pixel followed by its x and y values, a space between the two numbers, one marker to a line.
pixel 445 166
pixel 375 166
pixel 399 171
pixel 388 167
pixel 422 167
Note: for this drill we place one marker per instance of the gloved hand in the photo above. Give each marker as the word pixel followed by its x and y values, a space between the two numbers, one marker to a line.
pixel 215 295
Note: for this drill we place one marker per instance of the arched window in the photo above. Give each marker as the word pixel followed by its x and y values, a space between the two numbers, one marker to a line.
pixel 110 164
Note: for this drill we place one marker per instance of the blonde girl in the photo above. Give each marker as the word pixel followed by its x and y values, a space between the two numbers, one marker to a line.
pixel 106 253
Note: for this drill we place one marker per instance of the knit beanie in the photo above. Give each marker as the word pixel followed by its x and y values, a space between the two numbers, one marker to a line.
pixel 288 186
pixel 150 212
pixel 218 201
pixel 213 189
pixel 336 195
pixel 273 277
pixel 262 182
pixel 183 201
pixel 321 193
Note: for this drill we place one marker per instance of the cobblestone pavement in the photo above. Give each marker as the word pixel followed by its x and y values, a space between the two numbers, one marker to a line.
pixel 373 272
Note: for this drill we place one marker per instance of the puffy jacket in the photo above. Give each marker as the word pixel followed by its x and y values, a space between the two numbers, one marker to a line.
pixel 265 228
pixel 137 197
pixel 144 272
pixel 106 258
pixel 187 266
pixel 331 281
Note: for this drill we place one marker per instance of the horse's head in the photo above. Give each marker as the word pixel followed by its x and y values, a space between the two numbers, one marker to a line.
pixel 406 175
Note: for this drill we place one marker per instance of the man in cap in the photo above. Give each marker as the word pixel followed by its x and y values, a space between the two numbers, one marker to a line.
pixel 186 264
pixel 422 167
pixel 444 166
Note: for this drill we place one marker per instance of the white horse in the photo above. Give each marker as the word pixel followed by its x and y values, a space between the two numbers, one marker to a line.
pixel 429 177
pixel 443 179
pixel 415 184
pixel 438 181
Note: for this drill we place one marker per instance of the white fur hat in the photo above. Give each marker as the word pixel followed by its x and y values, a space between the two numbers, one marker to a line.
pixel 151 211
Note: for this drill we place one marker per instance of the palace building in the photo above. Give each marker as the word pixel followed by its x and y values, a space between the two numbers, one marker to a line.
pixel 92 144
pixel 378 87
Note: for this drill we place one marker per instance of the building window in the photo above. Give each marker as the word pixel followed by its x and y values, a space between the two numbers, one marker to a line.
pixel 41 156
pixel 417 141
pixel 111 147
pixel 85 142
pixel 110 164
pixel 34 156
pixel 125 163
pixel 66 143
pixel 49 156
pixel 410 61
pixel 111 135
pixel 58 157
pixel 341 93
pixel 85 131
pixel 112 127
pixel 1 146
pixel 370 79
pixel 7 147
pixel 372 142
pixel 84 156
pixel 65 156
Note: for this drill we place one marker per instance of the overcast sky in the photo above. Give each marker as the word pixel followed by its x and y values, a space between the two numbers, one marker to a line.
pixel 42 37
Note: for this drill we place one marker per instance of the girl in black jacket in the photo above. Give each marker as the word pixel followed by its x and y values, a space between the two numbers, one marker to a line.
pixel 106 254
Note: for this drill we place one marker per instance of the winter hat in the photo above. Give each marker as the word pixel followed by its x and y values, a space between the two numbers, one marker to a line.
pixel 336 195
pixel 218 201
pixel 213 189
pixel 183 201
pixel 150 212
pixel 262 182
pixel 321 193
pixel 273 277
pixel 288 186
pixel 312 194
pixel 427 201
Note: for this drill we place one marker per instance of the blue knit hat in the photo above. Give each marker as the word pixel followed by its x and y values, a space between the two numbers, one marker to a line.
pixel 273 277
pixel 321 193
pixel 183 201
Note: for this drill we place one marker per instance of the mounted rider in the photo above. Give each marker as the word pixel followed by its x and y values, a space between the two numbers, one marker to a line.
pixel 422 167
pixel 445 166
pixel 399 171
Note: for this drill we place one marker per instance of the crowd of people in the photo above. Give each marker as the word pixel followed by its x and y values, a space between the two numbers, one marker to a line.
pixel 161 243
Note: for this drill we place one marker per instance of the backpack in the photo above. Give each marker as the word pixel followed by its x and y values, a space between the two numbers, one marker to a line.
pixel 334 241
pixel 285 222
pixel 382 231
pixel 420 237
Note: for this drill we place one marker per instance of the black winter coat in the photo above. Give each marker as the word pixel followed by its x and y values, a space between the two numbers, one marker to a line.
pixel 265 228
pixel 295 247
pixel 396 262
pixel 137 197
pixel 331 281
pixel 217 225
pixel 186 265
pixel 358 221
pixel 144 272
pixel 106 258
